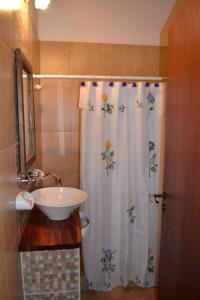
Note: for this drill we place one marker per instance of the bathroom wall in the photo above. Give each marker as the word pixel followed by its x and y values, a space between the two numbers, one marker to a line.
pixel 58 117
pixel 120 22
pixel 18 29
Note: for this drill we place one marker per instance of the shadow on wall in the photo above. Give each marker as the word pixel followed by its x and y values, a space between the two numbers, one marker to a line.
pixel 164 35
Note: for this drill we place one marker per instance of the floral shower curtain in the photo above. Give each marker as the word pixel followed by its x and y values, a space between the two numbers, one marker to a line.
pixel 120 165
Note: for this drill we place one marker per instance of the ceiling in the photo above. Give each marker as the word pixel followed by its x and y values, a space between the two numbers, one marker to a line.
pixel 105 21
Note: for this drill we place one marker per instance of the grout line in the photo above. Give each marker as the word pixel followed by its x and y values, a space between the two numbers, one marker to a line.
pixel 49 293
pixel 56 131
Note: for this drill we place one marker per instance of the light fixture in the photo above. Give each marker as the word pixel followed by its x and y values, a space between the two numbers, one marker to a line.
pixel 10 4
pixel 42 4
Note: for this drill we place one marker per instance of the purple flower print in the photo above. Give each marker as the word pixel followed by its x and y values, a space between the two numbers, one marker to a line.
pixel 108 253
pixel 151 146
pixel 131 214
pixel 152 158
pixel 108 266
pixel 150 98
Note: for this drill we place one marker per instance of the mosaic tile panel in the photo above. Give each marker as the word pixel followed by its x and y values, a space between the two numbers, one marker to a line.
pixel 53 296
pixel 51 274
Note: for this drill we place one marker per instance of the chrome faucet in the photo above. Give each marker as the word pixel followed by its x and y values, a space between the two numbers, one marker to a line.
pixel 56 178
pixel 35 176
pixel 26 179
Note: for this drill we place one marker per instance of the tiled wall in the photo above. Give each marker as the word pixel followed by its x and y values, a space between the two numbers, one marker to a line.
pixel 17 29
pixel 58 119
pixel 53 274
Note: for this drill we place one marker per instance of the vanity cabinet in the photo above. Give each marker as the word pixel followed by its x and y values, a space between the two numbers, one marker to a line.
pixel 50 258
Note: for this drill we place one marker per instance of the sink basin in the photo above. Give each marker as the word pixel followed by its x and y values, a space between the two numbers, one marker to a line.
pixel 57 203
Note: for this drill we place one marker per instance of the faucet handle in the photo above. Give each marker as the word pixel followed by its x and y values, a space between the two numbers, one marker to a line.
pixel 37 173
pixel 23 179
pixel 33 177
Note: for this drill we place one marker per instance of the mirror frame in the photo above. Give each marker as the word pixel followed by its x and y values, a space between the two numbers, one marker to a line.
pixel 21 63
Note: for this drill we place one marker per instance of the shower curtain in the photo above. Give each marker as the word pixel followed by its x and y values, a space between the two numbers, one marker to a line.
pixel 120 166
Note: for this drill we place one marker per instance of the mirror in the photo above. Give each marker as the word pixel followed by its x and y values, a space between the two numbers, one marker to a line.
pixel 25 112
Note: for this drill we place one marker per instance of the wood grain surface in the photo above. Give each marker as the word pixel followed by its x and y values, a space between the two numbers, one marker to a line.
pixel 42 233
pixel 180 247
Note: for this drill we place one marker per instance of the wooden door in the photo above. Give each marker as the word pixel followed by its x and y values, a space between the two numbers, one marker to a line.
pixel 179 276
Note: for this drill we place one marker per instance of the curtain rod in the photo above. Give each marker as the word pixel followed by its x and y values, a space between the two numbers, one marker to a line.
pixel 90 77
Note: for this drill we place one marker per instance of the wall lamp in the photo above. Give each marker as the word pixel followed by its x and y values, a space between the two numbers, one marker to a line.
pixel 10 4
pixel 42 4
pixel 17 4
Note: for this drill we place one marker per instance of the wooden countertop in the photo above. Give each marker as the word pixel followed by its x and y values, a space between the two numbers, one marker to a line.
pixel 43 234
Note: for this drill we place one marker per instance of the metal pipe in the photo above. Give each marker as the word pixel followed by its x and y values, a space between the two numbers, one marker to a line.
pixel 56 178
pixel 91 77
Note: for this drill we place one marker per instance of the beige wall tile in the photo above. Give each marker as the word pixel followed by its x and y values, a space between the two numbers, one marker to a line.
pixel 3 285
pixel 33 15
pixel 112 59
pixel 145 60
pixel 22 31
pixel 17 30
pixel 10 224
pixel 6 25
pixel 13 267
pixel 85 59
pixel 11 274
pixel 129 60
pixel 115 59
pixel 55 108
pixel 55 58
pixel 75 111
pixel 55 82
pixel 2 243
pixel 163 61
pixel 7 103
pixel 75 153
pixel 47 181
pixel 57 152
pixel 70 180
pixel 38 162
pixel 8 191
pixel 37 105
pixel 35 53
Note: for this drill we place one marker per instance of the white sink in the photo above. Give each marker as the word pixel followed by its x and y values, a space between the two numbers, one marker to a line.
pixel 57 203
